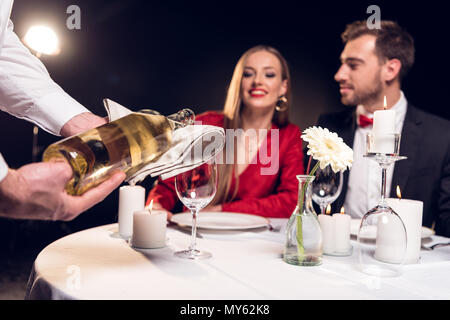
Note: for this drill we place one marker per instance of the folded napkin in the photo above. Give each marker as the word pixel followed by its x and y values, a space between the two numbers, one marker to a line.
pixel 192 146
pixel 115 110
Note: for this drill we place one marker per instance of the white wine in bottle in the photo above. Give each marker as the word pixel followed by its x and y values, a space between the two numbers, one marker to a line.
pixel 127 144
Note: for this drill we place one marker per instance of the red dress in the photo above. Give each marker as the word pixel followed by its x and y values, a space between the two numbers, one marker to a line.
pixel 268 195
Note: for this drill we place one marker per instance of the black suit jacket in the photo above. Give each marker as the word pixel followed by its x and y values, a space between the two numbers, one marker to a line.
pixel 425 175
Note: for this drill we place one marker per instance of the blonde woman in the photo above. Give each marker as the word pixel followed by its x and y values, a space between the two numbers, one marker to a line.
pixel 263 152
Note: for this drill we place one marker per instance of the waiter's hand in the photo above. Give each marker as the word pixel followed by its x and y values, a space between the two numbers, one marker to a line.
pixel 81 123
pixel 36 191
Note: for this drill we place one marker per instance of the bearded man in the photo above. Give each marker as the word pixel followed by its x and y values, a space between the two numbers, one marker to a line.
pixel 373 64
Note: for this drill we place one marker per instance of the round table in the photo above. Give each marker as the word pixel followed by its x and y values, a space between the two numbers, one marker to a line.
pixel 94 264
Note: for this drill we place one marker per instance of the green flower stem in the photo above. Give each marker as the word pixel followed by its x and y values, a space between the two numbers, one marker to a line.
pixel 305 186
pixel 300 246
pixel 313 171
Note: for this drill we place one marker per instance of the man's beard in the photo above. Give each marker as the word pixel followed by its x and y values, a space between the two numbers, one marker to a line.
pixel 367 97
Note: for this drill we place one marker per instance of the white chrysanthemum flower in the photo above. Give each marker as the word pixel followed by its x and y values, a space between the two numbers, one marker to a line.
pixel 328 148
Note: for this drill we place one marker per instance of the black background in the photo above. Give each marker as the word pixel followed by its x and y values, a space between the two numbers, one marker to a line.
pixel 168 54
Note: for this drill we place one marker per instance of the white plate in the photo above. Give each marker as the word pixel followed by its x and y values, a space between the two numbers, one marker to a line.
pixel 372 233
pixel 221 220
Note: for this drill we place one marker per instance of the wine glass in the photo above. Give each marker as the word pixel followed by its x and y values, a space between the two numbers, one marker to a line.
pixel 326 187
pixel 196 188
pixel 383 257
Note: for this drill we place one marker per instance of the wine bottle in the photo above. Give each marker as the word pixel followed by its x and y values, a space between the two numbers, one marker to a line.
pixel 127 144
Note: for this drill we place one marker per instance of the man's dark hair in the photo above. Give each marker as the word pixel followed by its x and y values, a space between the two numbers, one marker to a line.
pixel 392 42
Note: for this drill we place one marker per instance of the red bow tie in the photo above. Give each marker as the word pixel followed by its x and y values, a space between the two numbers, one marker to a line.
pixel 365 121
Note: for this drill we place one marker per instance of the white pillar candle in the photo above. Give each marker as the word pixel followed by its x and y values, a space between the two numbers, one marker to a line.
pixel 131 199
pixel 390 246
pixel 383 130
pixel 149 229
pixel 327 226
pixel 384 121
pixel 410 211
pixel 342 232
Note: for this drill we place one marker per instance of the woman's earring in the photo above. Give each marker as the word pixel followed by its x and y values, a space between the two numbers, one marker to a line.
pixel 281 104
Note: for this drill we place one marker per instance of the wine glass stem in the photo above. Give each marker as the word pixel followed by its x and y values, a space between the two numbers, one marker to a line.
pixel 383 186
pixel 194 231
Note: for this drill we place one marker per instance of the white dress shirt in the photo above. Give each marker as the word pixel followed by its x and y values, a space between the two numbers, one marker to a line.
pixel 364 184
pixel 26 89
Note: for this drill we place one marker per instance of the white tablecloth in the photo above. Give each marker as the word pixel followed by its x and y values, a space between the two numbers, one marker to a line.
pixel 92 264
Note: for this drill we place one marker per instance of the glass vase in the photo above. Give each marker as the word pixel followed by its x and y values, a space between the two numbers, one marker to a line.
pixel 303 245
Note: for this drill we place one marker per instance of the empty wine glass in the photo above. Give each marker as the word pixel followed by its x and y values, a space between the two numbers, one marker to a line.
pixel 196 188
pixel 385 256
pixel 326 187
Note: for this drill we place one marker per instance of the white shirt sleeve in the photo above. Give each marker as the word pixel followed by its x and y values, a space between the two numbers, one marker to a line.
pixel 28 92
pixel 3 168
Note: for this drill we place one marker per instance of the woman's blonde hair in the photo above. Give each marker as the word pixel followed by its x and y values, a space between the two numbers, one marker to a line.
pixel 232 120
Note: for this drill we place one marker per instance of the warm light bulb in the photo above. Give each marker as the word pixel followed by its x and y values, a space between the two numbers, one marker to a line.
pixel 42 39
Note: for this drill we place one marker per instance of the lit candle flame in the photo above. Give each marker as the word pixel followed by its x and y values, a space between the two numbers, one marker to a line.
pixel 328 211
pixel 342 210
pixel 385 103
pixel 150 206
pixel 399 194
